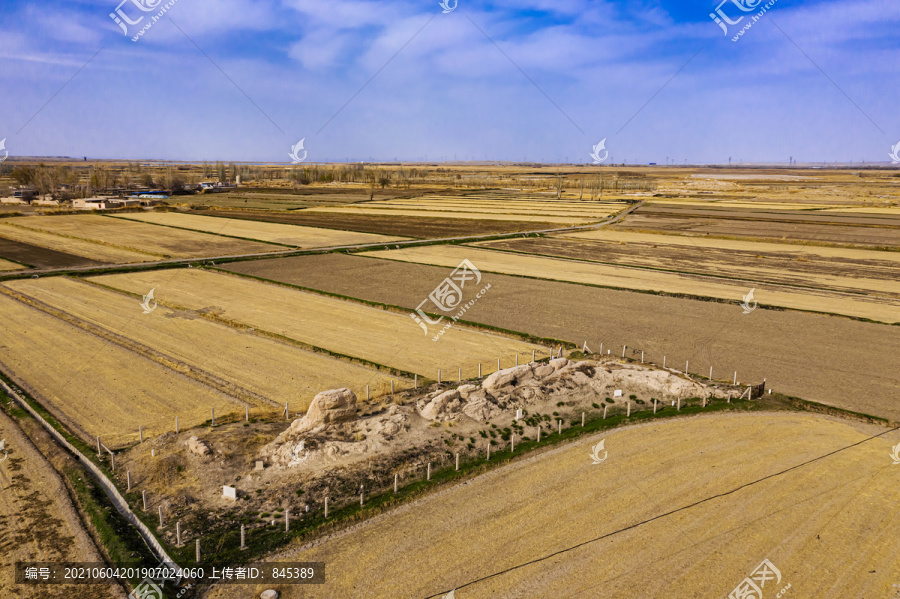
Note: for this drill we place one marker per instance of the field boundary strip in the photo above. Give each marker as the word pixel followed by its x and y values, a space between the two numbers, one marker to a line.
pixel 663 515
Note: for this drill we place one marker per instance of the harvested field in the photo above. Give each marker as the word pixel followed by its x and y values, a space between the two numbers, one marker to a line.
pixel 39 257
pixel 880 309
pixel 288 235
pixel 503 207
pixel 350 329
pixel 863 273
pixel 38 522
pixel 524 208
pixel 6 265
pixel 134 236
pixel 407 226
pixel 833 234
pixel 544 217
pixel 833 360
pixel 776 213
pixel 94 386
pixel 265 372
pixel 273 198
pixel 483 538
pixel 60 251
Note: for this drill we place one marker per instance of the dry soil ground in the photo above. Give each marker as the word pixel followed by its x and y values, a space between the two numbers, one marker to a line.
pixel 38 522
pixel 558 525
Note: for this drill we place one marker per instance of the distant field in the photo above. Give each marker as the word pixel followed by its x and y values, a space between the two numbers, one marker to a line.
pixel 834 360
pixel 775 212
pixel 94 386
pixel 65 248
pixel 407 226
pixel 275 372
pixel 861 272
pixel 347 328
pixel 289 235
pixel 821 233
pixel 878 309
pixel 544 217
pixel 508 208
pixel 118 234
pixel 495 535
pixel 276 199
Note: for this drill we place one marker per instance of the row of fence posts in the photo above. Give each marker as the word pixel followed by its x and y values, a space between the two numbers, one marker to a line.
pixel 286 413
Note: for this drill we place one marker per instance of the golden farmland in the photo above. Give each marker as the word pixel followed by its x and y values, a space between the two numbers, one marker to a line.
pixel 485 208
pixel 9 229
pixel 95 387
pixel 350 329
pixel 6 265
pixel 136 237
pixel 882 310
pixel 289 235
pixel 559 502
pixel 281 373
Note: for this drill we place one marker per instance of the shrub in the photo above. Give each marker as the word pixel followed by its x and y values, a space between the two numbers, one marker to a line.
pixel 595 406
pixel 632 397
pixel 483 434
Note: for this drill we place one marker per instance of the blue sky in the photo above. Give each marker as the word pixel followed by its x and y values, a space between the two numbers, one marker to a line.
pixel 537 80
